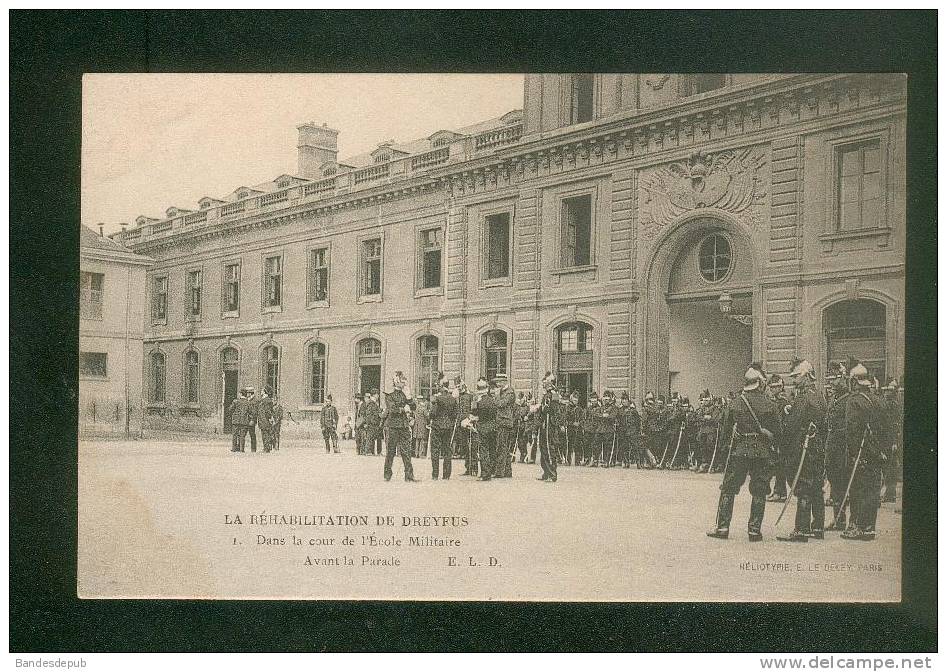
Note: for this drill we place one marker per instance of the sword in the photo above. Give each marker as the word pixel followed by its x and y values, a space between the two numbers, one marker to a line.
pixel 430 432
pixel 714 456
pixel 680 433
pixel 852 477
pixel 612 453
pixel 450 446
pixel 810 433
pixel 730 449
pixel 664 454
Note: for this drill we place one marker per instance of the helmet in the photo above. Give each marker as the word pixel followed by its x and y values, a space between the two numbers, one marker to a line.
pixel 802 368
pixel 752 379
pixel 649 396
pixel 776 381
pixel 859 376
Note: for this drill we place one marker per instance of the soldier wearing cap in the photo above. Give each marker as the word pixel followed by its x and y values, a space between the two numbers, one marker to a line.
pixel 756 421
pixel 608 430
pixel 804 428
pixel 628 427
pixel 463 440
pixel 481 421
pixel 776 389
pixel 593 414
pixel 506 420
pixel 239 419
pixel 253 402
pixel 867 440
pixel 329 419
pixel 532 426
pixel 443 427
pixel 651 426
pixel 573 436
pixel 395 420
pixel 523 434
pixel 708 431
pixel 891 404
pixel 836 452
pixel 265 419
pixel 547 454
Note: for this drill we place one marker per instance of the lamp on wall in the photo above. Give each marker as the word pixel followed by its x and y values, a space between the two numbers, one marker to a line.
pixel 725 303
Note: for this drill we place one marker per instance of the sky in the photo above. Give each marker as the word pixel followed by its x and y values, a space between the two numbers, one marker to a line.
pixel 150 141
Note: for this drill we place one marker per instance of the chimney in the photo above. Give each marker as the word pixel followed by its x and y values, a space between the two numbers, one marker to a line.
pixel 317 145
pixel 101 232
pixel 123 227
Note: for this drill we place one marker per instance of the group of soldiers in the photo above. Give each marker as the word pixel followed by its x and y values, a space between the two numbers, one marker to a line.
pixel 249 410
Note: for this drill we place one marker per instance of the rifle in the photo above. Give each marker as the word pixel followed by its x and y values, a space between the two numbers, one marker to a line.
pixel 680 433
pixel 714 456
pixel 851 478
pixel 810 433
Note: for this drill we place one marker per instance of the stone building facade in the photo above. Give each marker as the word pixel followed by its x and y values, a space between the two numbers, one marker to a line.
pixel 629 231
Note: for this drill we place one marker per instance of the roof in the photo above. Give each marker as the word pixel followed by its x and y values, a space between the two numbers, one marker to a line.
pixel 90 240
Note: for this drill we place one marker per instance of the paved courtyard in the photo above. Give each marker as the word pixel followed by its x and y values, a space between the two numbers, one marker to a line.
pixel 158 519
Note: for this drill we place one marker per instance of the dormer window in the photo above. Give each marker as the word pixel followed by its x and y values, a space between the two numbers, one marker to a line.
pixel 382 158
pixel 330 171
pixel 282 184
pixel 171 212
pixel 242 194
pixel 440 142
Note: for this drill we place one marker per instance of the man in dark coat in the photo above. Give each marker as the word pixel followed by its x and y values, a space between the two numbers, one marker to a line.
pixel 254 404
pixel 463 440
pixel 482 421
pixel 756 421
pixel 239 419
pixel 265 419
pixel 395 420
pixel 277 421
pixel 523 435
pixel 443 427
pixel 804 427
pixel 837 468
pixel 547 448
pixel 371 429
pixel 777 394
pixel 329 419
pixel 506 409
pixel 891 405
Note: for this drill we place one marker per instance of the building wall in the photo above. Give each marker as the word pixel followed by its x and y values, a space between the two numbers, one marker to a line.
pixel 757 165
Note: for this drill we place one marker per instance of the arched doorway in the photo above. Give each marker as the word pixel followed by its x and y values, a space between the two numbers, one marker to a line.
pixel 856 328
pixel 230 380
pixel 368 363
pixel 575 358
pixel 698 330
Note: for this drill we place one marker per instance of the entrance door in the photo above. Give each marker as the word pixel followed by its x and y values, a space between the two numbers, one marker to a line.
pixel 230 393
pixel 369 377
pixel 580 382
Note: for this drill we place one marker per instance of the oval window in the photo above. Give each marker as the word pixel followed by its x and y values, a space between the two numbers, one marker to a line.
pixel 714 258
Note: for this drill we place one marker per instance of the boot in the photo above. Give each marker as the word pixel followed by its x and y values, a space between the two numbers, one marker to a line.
pixel 757 509
pixel 839 521
pixel 800 533
pixel 818 518
pixel 724 514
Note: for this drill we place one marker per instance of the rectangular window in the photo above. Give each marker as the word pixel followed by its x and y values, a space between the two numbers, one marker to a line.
pixel 498 246
pixel 272 282
pixel 582 97
pixel 318 275
pixel 192 377
pixel 159 299
pixel 431 243
pixel 317 373
pixel 92 291
pixel 231 293
pixel 859 186
pixel 93 364
pixel 428 369
pixel 371 267
pixel 194 279
pixel 576 231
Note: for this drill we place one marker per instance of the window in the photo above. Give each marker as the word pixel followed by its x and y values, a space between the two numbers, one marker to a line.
pixel 577 231
pixel 428 367
pixel 93 364
pixel 857 329
pixel 317 373
pixel 497 246
pixel 272 282
pixel 318 275
pixel 271 369
pixel 431 242
pixel 494 353
pixel 91 293
pixel 194 293
pixel 371 267
pixel 576 337
pixel 859 186
pixel 574 358
pixel 192 377
pixel 381 158
pixel 714 258
pixel 158 378
pixel 582 96
pixel 692 85
pixel 159 299
pixel 369 347
pixel 231 293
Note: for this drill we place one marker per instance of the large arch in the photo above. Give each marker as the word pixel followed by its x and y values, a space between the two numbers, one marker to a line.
pixel 654 329
pixel 354 368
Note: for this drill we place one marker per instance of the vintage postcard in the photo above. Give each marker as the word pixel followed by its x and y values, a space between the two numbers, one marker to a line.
pixel 542 337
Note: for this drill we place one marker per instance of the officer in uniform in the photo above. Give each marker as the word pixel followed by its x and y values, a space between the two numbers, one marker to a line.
pixel 329 419
pixel 463 441
pixel 653 431
pixel 892 408
pixel 277 421
pixel 756 421
pixel 421 425
pixel 505 421
pixel 777 393
pixel 708 431
pixel 547 451
pixel 239 419
pixel 359 430
pixel 836 452
pixel 523 435
pixel 254 403
pixel 867 439
pixel 532 426
pixel 629 430
pixel 573 437
pixel 608 430
pixel 593 418
pixel 395 420
pixel 481 421
pixel 265 419
pixel 804 426
pixel 443 424
pixel 677 419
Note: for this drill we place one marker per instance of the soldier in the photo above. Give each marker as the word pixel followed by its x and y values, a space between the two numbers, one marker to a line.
pixel 395 419
pixel 608 430
pixel 559 424
pixel 358 431
pixel 463 439
pixel 836 452
pixel 277 421
pixel 867 439
pixel 239 420
pixel 420 427
pixel 592 420
pixel 265 419
pixel 329 419
pixel 547 454
pixel 676 420
pixel 776 389
pixel 254 403
pixel 443 425
pixel 804 427
pixel 756 420
pixel 708 431
pixel 573 437
pixel 653 431
pixel 371 429
pixel 481 421
pixel 523 434
pixel 532 426
pixel 629 431
pixel 505 420
pixel 892 408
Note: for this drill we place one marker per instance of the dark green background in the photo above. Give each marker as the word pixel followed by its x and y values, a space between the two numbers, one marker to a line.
pixel 49 51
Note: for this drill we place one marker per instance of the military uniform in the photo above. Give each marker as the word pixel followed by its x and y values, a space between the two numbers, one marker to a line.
pixel 523 434
pixel 781 469
pixel 277 422
pixel 505 420
pixel 463 437
pixel 837 467
pixel 533 425
pixel 371 429
pixel 239 420
pixel 629 435
pixel 443 422
pixel 608 432
pixel 329 419
pixel 419 430
pixel 756 420
pixel 265 420
pixel 806 417
pixel 866 440
pixel 395 420
pixel 547 448
pixel 652 425
pixel 254 405
pixel 891 406
pixel 573 437
pixel 708 434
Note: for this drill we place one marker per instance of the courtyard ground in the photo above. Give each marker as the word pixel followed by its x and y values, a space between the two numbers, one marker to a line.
pixel 157 518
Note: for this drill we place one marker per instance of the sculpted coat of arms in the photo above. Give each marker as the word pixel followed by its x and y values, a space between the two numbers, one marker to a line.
pixel 732 181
